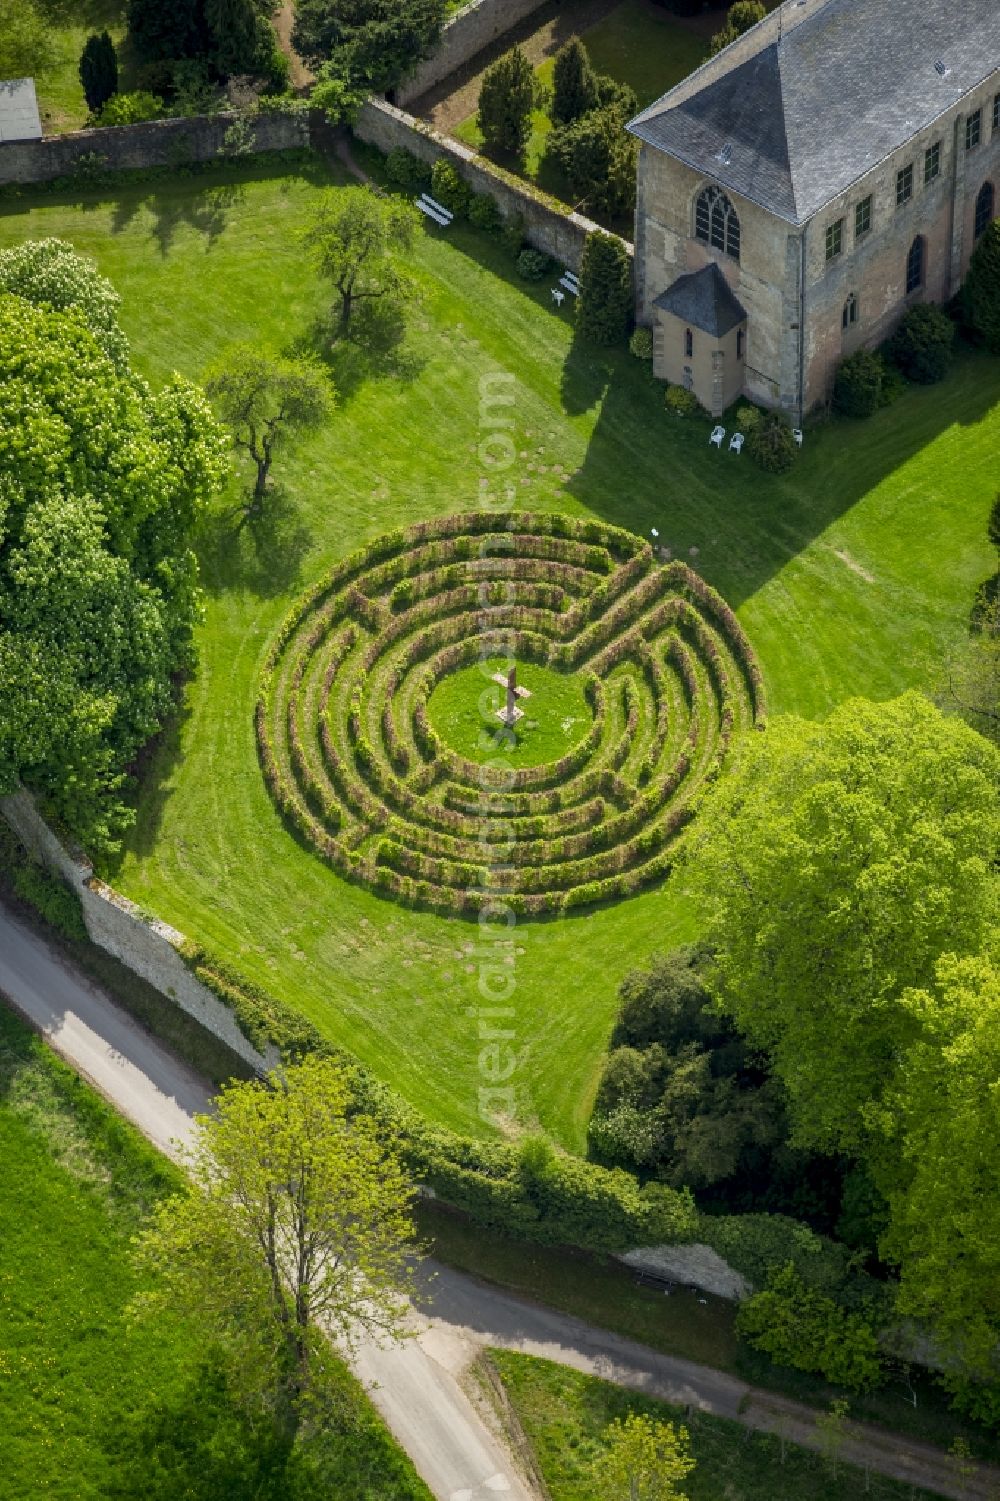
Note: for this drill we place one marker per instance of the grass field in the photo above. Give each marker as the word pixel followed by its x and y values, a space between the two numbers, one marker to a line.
pixel 464 704
pixel 854 574
pixel 91 1406
pixel 564 1415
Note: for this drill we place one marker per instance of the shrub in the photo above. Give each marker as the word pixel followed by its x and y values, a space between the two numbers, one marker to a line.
pixel 857 390
pixel 604 307
pixel 797 1326
pixel 771 445
pixel 641 343
pixel 533 265
pixel 449 188
pixel 51 898
pixel 484 213
pixel 98 71
pixel 512 235
pixel 742 15
pixel 683 403
pixel 506 100
pixel 407 171
pixel 981 292
pixel 923 344
pixel 130 109
pixel 748 417
pixel 597 157
pixel 574 85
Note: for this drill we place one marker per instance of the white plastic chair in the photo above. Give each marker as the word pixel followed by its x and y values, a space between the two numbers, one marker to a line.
pixel 736 443
pixel 797 435
pixel 558 297
pixel 718 434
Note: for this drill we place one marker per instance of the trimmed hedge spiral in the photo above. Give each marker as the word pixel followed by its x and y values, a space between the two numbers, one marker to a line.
pixel 353 762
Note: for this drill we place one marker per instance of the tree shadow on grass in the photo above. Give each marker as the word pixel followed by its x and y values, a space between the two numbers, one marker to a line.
pixel 151 774
pixel 374 348
pixel 261 552
pixel 586 375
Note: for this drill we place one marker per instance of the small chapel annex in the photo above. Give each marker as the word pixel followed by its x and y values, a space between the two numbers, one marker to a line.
pixel 803 188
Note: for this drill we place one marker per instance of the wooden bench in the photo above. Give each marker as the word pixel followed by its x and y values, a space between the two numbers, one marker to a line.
pixel 434 210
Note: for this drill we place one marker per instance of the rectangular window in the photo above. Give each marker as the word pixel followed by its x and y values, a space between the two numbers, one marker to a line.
pixel 932 162
pixel 904 185
pixel 862 217
pixel 996 112
pixel 834 239
pixel 973 130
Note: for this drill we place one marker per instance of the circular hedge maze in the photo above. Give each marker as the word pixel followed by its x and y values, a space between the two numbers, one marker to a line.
pixel 361 762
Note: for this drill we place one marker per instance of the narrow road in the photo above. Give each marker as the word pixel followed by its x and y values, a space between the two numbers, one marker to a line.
pixel 420 1386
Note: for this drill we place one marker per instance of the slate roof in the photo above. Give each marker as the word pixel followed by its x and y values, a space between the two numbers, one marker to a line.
pixel 19 111
pixel 703 299
pixel 844 87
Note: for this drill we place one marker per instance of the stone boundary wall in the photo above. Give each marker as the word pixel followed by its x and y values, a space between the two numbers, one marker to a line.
pixel 550 226
pixel 153 143
pixel 148 947
pixel 474 28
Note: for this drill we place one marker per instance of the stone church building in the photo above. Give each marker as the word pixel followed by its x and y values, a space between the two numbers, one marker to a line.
pixel 810 183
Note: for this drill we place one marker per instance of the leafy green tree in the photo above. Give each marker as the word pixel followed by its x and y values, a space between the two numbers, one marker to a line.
pixel 942 1180
pixel 604 307
pixel 973 674
pixel 101 483
pixel 799 1326
pixel 354 235
pixel 981 291
pixel 98 70
pixel 643 1461
pixel 265 398
pixel 26 45
pixel 597 156
pixel 506 100
pixel 858 384
pixel 834 867
pixel 160 32
pixel 741 16
pixel 296 1231
pixel 574 83
pixel 243 38
pixel 51 273
pixel 378 42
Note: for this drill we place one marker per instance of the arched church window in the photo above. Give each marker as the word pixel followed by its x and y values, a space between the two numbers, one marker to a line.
pixel 717 223
pixel 915 266
pixel 984 208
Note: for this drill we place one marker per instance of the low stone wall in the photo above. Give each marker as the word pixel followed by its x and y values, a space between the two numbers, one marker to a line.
pixel 476 26
pixel 146 946
pixel 154 143
pixel 550 226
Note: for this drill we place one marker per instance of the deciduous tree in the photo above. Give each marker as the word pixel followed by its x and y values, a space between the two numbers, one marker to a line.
pixel 353 236
pixel 264 399
pixel 378 42
pixel 643 1461
pixel 741 16
pixel 51 273
pixel 296 1229
pixel 26 46
pixel 834 867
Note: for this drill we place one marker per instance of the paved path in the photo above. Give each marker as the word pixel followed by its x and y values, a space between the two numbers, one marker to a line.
pixel 420 1386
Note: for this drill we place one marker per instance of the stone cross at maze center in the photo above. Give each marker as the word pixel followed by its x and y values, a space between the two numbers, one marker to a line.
pixel 511 712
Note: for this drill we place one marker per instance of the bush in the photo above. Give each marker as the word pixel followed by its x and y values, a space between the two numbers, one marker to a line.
pixel 449 189
pixel 533 265
pixel 981 292
pixel 683 403
pixel 130 109
pixel 407 171
pixel 51 898
pixel 800 1327
pixel 597 157
pixel 747 417
pixel 604 307
pixel 923 344
pixel 512 235
pixel 641 343
pixel 771 445
pixel 506 100
pixel 574 85
pixel 742 15
pixel 857 389
pixel 484 213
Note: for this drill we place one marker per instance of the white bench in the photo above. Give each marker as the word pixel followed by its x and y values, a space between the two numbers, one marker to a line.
pixel 434 210
pixel 570 283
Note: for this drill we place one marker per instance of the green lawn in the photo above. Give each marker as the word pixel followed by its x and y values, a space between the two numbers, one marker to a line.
pixel 91 1406
pixel 565 1414
pixel 60 93
pixel 464 705
pixel 853 574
